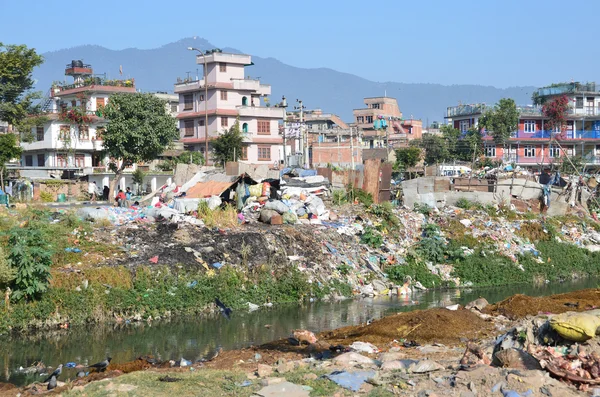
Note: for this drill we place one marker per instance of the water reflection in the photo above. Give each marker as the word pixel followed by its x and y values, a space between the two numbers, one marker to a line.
pixel 195 338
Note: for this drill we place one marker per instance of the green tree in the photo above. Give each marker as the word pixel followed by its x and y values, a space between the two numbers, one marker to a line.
pixel 16 96
pixel 472 144
pixel 7 272
pixel 556 110
pixel 452 137
pixel 139 129
pixel 501 121
pixel 138 178
pixel 436 149
pixel 9 149
pixel 407 158
pixel 228 146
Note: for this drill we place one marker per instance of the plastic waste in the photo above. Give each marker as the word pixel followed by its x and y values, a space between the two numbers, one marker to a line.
pixel 350 380
pixel 364 347
pixel 214 202
pixel 70 364
pixel 217 265
pixel 578 327
pixel 276 205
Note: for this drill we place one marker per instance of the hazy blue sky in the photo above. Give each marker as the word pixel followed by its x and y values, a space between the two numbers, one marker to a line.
pixel 491 42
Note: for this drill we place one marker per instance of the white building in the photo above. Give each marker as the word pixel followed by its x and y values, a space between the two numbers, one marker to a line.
pixel 230 96
pixel 72 139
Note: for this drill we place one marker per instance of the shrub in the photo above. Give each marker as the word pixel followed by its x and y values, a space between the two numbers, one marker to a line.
pixel 417 270
pixel 386 213
pixel 423 209
pixel 339 197
pixel 371 237
pixel 30 255
pixel 355 194
pixel 7 272
pixel 46 197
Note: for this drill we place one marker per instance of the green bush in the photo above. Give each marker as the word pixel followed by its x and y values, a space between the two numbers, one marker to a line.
pixel 371 237
pixel 30 255
pixel 417 270
pixel 339 197
pixel 431 249
pixel 7 272
pixel 386 213
pixel 46 197
pixel 423 209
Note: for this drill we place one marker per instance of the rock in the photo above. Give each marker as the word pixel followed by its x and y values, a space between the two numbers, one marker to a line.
pixel 478 304
pixel 397 365
pixel 286 389
pixel 390 356
pixel 264 370
pixel 352 358
pixel 310 377
pixel 514 358
pixel 285 367
pixel 425 366
pixel 271 381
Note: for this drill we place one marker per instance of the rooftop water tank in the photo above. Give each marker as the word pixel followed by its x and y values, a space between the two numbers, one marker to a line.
pixel 77 64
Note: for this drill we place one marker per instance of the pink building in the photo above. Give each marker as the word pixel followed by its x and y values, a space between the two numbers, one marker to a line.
pixel 395 129
pixel 231 96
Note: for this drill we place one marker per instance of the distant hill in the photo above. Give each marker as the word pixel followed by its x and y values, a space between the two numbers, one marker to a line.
pixel 157 70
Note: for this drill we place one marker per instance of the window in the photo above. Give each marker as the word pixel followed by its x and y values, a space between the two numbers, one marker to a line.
pixel 96 160
pixel 73 103
pixel 100 103
pixel 188 102
pixel 369 119
pixel 464 125
pixel 28 161
pixel 39 132
pixel 201 97
pixel 61 160
pixel 264 127
pixel 173 108
pixel 201 123
pixel 65 132
pixel 100 132
pixel 554 151
pixel 222 67
pixel 579 102
pixel 223 95
pixel 529 151
pixel 360 119
pixel 188 128
pixel 490 151
pixel 79 160
pixel 264 153
pixel 224 122
pixel 244 155
pixel 245 128
pixel 84 133
pixel 41 160
pixel 375 106
pixel 529 125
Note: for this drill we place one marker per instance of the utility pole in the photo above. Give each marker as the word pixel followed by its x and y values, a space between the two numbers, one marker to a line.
pixel 303 137
pixel 352 147
pixel 284 106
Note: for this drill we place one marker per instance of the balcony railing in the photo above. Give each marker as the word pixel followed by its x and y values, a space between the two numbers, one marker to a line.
pixel 566 88
pixel 529 111
pixel 464 110
pixel 94 81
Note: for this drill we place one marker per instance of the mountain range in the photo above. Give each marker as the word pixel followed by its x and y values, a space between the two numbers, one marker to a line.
pixel 332 91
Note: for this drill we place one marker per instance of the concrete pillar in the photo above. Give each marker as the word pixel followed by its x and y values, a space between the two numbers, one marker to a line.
pixel 122 183
pixel 153 183
pixel 105 181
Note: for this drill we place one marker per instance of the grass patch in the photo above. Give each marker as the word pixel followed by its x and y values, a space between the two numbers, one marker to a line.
pixel 224 217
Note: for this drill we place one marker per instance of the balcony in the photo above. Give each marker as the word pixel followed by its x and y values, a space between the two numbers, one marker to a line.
pixel 565 88
pixel 586 111
pixel 261 111
pixel 529 111
pixel 546 134
pixel 466 110
pixel 246 84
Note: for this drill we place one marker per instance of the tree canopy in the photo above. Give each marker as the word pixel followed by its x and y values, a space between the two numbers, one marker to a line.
pixel 16 96
pixel 139 129
pixel 501 121
pixel 408 157
pixel 228 146
pixel 436 149
pixel 556 111
pixel 9 149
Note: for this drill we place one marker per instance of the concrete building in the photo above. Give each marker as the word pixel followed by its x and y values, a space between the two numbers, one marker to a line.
pixel 533 143
pixel 231 96
pixel 72 139
pixel 382 120
pixel 330 140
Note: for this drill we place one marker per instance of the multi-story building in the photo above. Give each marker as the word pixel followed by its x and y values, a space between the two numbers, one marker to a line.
pixel 330 140
pixel 382 120
pixel 72 138
pixel 230 96
pixel 534 144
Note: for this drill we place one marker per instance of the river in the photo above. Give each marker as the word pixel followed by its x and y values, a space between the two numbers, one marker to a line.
pixel 195 338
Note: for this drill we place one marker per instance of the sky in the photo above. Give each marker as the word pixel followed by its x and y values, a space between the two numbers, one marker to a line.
pixel 502 43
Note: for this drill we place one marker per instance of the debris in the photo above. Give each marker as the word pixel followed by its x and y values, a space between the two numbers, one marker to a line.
pixel 364 347
pixel 154 259
pixel 304 336
pixel 577 327
pixel 351 380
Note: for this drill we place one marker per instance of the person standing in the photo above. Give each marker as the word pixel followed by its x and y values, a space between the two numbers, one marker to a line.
pixel 92 189
pixel 121 199
pixel 105 193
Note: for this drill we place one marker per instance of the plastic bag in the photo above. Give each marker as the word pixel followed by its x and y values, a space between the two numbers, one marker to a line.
pixel 256 190
pixel 577 327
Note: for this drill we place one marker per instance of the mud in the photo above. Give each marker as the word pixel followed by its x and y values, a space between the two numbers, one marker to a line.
pixel 519 306
pixel 423 326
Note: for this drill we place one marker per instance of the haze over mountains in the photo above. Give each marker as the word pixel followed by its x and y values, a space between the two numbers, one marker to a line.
pixel 158 69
